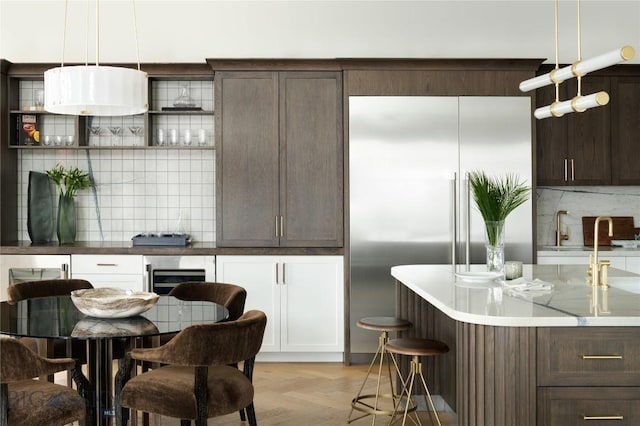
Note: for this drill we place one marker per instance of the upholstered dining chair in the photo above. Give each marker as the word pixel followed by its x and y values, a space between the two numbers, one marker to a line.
pixel 55 348
pixel 28 402
pixel 197 382
pixel 231 296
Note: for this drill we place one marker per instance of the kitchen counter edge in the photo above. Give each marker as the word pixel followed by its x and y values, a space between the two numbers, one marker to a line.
pixel 195 249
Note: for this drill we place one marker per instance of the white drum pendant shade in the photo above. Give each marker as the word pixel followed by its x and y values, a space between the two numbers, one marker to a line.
pixel 95 90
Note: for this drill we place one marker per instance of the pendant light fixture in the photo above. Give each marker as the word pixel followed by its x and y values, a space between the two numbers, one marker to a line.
pixel 578 69
pixel 95 89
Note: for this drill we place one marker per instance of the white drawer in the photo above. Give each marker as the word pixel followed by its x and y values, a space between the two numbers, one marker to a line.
pixel 106 264
pixel 133 282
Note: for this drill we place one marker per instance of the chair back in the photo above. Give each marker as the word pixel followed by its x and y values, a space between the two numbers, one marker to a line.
pixel 20 363
pixel 230 296
pixel 221 343
pixel 45 288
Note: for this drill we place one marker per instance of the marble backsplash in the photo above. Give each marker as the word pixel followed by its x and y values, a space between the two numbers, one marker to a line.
pixel 582 201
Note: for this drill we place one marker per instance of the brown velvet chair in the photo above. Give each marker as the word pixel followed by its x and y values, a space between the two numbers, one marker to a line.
pixel 28 402
pixel 230 296
pixel 55 348
pixel 198 382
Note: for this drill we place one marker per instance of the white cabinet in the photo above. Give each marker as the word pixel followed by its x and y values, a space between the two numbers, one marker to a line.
pixel 303 297
pixel 119 271
pixel 19 268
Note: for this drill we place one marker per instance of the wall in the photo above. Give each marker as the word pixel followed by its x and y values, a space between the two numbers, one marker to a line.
pixel 190 31
pixel 154 190
pixel 582 201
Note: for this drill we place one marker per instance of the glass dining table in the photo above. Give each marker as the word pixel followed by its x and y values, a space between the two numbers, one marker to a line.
pixel 107 339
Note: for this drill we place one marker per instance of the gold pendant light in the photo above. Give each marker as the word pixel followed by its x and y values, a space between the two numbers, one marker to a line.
pixel 578 69
pixel 94 89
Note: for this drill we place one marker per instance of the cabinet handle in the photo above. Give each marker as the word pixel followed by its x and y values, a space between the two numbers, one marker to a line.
pixel 585 417
pixel 65 272
pixel 277 234
pixel 284 281
pixel 602 357
pixel 566 169
pixel 573 171
pixel 282 226
pixel 277 275
pixel 106 264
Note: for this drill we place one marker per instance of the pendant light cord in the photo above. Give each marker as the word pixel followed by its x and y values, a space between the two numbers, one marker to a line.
pixel 64 31
pixel 556 42
pixel 579 76
pixel 135 32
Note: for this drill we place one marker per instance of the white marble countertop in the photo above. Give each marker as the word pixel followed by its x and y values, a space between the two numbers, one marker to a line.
pixel 569 303
pixel 584 251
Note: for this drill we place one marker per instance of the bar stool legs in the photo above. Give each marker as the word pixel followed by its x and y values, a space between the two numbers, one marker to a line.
pixel 415 348
pixel 370 404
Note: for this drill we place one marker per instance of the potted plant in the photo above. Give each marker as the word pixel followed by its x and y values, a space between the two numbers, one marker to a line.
pixel 496 198
pixel 68 183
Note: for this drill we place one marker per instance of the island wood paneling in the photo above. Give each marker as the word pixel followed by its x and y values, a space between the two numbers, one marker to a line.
pixel 489 376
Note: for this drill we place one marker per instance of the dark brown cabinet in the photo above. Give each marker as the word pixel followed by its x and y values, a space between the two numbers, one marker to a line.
pixel 625 130
pixel 279 159
pixel 574 149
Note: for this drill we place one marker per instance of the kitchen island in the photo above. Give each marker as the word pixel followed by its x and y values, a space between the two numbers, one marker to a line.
pixel 558 357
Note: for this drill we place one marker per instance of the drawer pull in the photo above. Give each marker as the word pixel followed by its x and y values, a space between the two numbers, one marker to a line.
pixel 602 357
pixel 602 417
pixel 106 264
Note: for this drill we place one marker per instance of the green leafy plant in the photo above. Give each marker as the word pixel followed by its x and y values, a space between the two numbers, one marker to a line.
pixel 69 181
pixel 496 198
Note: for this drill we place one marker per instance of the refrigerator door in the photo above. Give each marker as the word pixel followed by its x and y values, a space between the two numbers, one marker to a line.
pixel 403 155
pixel 495 136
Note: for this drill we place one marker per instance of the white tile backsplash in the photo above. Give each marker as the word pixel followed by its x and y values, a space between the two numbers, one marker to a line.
pixel 582 201
pixel 137 190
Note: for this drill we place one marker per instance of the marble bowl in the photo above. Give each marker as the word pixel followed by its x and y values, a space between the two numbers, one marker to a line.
pixel 109 302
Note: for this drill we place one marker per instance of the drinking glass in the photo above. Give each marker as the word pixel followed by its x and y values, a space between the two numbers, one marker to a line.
pixel 135 131
pixel 115 131
pixel 202 137
pixel 161 137
pixel 173 137
pixel 187 137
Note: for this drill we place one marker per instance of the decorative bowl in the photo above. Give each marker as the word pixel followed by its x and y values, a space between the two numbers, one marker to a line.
pixel 109 302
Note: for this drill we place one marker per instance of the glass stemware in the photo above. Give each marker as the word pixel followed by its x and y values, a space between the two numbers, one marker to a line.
pixel 135 131
pixel 115 131
pixel 95 131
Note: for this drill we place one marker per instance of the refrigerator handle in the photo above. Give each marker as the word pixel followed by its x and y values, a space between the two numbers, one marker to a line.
pixel 467 212
pixel 454 227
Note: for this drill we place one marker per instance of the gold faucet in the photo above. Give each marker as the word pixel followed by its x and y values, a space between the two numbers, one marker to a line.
pixel 595 265
pixel 559 235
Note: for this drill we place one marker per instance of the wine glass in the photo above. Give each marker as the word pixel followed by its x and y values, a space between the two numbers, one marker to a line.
pixel 135 131
pixel 115 131
pixel 95 131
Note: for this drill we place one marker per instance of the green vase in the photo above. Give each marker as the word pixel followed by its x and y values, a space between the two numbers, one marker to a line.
pixel 66 220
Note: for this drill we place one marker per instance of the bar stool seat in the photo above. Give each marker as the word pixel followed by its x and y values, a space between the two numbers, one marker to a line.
pixel 384 325
pixel 414 347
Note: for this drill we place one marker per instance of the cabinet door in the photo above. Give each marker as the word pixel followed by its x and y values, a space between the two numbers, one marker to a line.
pixel 118 271
pixel 552 157
pixel 257 274
pixel 247 172
pixel 625 128
pixel 312 304
pixel 311 153
pixel 589 137
pixel 572 406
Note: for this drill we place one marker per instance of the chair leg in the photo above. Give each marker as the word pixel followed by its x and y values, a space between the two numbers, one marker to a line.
pixel 251 414
pixel 184 422
pixel 407 389
pixel 243 416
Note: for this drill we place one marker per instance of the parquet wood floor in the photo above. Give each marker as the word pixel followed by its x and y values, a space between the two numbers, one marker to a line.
pixel 315 394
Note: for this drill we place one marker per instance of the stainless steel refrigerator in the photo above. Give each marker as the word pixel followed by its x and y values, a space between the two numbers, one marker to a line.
pixel 409 201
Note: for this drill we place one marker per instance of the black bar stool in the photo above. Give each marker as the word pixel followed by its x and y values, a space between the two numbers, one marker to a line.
pixel 415 348
pixel 384 325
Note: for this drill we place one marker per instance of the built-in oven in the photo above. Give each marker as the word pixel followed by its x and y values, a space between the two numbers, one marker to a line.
pixel 165 272
pixel 19 268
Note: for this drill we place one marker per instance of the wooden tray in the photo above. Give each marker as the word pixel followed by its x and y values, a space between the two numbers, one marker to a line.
pixel 623 229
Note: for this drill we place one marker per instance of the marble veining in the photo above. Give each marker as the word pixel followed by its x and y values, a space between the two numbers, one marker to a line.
pixel 582 201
